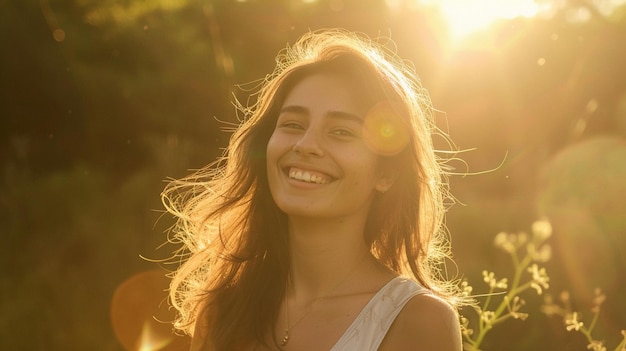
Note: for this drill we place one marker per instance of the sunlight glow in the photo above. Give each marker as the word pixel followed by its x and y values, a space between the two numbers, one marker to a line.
pixel 139 315
pixel 465 17
pixel 151 340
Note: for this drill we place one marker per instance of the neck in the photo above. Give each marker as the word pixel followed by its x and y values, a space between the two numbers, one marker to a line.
pixel 324 254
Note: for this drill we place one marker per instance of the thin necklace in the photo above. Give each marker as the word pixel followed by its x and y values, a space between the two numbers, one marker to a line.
pixel 285 339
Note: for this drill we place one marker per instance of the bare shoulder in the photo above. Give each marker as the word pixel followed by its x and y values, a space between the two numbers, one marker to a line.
pixel 425 323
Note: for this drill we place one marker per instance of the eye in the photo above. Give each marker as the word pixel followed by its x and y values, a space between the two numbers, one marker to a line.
pixel 344 132
pixel 291 125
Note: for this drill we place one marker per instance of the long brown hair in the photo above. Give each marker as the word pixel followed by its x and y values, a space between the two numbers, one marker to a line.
pixel 233 237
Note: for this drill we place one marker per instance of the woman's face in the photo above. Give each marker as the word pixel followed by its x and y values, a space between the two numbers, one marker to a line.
pixel 317 161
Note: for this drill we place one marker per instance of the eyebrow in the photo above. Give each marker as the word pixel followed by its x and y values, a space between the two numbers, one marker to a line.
pixel 330 114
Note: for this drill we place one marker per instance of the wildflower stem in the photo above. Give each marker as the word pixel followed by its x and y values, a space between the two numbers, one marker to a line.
pixel 587 333
pixel 520 288
pixel 481 335
pixel 520 268
pixel 596 313
pixel 488 300
pixel 522 253
pixel 502 319
pixel 482 323
pixel 486 326
pixel 622 345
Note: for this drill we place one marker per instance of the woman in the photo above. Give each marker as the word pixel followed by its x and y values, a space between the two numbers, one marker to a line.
pixel 322 227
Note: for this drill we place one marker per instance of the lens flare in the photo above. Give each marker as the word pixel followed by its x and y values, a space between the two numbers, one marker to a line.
pixel 384 131
pixel 582 192
pixel 151 339
pixel 140 316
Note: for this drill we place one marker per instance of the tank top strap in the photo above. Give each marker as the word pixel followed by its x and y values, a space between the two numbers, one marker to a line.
pixel 369 328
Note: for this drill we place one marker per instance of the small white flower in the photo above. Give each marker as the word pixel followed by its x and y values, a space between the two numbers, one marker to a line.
pixel 543 254
pixel 540 278
pixel 596 346
pixel 542 230
pixel 488 317
pixel 572 322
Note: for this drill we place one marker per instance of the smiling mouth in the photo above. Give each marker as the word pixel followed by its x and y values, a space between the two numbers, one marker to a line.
pixel 308 176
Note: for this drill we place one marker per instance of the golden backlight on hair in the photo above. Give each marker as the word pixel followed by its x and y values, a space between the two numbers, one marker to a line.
pixel 249 245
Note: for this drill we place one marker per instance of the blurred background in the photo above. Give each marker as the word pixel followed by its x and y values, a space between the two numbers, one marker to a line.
pixel 102 100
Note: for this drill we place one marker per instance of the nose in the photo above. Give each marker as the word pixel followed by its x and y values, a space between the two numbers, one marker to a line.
pixel 309 144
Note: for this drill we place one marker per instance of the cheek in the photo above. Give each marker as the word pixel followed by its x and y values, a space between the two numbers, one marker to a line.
pixel 271 159
pixel 272 149
pixel 365 170
pixel 269 151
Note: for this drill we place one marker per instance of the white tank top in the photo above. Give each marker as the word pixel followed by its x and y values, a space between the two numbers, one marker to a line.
pixel 369 328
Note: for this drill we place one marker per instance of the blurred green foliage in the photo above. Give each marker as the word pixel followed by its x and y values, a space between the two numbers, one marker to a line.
pixel 100 101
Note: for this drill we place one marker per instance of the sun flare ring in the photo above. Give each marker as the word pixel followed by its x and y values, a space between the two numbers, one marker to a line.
pixel 384 130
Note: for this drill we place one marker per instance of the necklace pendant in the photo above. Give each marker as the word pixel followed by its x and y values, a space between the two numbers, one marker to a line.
pixel 285 338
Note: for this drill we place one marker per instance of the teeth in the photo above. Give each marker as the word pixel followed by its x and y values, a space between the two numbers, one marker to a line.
pixel 307 176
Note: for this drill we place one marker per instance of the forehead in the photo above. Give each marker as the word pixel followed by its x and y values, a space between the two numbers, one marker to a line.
pixel 322 92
